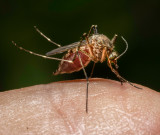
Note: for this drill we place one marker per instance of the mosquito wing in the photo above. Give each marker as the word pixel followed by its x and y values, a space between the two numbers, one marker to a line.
pixel 65 48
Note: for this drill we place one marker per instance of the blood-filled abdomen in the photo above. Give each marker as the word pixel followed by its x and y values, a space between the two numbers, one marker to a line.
pixel 67 67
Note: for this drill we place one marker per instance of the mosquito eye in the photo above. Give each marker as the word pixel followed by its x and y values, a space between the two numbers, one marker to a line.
pixel 113 55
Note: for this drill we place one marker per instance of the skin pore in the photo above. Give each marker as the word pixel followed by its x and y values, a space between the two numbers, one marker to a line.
pixel 59 108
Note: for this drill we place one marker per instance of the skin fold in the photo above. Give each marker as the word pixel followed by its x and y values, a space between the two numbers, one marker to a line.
pixel 59 109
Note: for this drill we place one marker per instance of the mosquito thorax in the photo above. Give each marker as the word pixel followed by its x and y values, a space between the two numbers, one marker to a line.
pixel 100 40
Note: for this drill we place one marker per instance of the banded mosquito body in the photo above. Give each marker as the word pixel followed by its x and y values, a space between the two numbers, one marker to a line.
pixel 92 47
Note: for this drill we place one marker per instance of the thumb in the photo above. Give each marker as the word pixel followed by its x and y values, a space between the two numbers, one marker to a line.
pixel 59 108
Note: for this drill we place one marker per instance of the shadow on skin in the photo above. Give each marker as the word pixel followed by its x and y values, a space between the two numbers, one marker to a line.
pixel 59 108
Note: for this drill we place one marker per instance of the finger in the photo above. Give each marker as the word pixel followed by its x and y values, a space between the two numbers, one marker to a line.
pixel 59 108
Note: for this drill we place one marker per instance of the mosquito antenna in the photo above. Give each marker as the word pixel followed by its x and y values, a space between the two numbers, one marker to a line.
pixel 43 56
pixel 46 37
pixel 125 49
pixel 94 28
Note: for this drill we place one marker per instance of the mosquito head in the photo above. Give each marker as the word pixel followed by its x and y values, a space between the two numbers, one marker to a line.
pixel 113 55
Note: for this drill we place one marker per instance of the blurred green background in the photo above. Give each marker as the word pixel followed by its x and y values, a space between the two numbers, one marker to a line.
pixel 65 21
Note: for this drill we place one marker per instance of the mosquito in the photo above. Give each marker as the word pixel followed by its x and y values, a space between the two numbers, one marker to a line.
pixel 92 47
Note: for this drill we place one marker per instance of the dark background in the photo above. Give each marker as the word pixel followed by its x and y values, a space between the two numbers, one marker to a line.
pixel 65 21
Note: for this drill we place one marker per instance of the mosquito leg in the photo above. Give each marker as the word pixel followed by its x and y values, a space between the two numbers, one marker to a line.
pixel 118 75
pixel 91 59
pixel 93 27
pixel 87 54
pixel 74 57
pixel 103 55
pixel 91 56
pixel 86 79
pixel 84 74
pixel 43 56
pixel 121 82
pixel 92 70
pixel 46 37
pixel 89 48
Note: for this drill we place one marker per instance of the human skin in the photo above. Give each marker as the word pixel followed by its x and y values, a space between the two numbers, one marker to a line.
pixel 59 109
